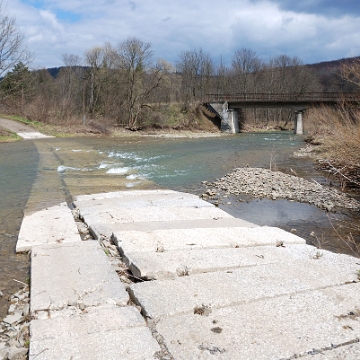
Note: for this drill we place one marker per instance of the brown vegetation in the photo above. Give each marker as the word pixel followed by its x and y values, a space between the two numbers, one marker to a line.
pixel 336 132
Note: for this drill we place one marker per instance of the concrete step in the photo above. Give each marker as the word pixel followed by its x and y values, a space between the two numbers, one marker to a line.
pixel 50 226
pixel 82 199
pixel 98 333
pixel 73 274
pixel 200 238
pixel 155 200
pixel 234 287
pixel 102 213
pixel 143 214
pixel 105 229
pixel 285 327
pixel 152 265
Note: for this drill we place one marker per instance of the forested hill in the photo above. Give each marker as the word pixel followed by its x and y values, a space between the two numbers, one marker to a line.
pixel 329 74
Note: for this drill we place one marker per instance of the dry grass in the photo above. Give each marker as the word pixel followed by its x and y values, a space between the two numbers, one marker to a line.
pixel 337 132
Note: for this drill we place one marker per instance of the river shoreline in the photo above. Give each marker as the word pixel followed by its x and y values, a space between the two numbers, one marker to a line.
pixel 277 185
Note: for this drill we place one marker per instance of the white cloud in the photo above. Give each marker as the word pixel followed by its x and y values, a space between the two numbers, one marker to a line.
pixel 174 26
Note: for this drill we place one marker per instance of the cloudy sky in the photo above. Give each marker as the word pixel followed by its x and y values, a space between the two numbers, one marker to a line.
pixel 313 30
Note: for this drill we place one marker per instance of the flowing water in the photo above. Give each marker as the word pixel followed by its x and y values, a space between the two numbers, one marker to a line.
pixel 34 175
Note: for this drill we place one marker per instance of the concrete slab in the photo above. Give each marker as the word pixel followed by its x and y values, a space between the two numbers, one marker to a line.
pixel 285 327
pixel 175 263
pixel 116 333
pixel 234 287
pixel 143 214
pixel 76 274
pixel 120 194
pixel 34 135
pixel 52 225
pixel 138 202
pixel 105 229
pixel 93 320
pixel 348 352
pixel 133 241
pixel 183 224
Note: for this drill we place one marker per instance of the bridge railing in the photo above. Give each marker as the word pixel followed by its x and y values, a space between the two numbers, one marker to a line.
pixel 289 97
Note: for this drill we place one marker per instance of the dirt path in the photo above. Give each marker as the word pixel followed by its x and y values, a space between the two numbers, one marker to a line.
pixel 23 130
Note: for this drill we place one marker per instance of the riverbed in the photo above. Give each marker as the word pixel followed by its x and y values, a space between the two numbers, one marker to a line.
pixel 34 175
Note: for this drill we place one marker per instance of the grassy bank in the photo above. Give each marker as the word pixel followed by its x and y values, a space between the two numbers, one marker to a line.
pixel 166 119
pixel 335 133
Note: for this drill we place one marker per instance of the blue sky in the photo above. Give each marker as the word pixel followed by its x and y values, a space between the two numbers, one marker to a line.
pixel 313 30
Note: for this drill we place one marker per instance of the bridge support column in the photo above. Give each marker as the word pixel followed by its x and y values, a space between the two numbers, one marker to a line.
pixel 233 121
pixel 298 126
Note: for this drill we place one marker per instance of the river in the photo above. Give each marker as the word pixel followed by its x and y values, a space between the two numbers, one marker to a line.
pixel 34 175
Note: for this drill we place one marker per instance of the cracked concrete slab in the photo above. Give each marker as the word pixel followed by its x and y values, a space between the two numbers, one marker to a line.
pixel 143 214
pixel 52 225
pixel 233 287
pixel 348 352
pixel 86 200
pixel 137 202
pixel 175 263
pixel 99 333
pixel 73 274
pixel 176 239
pixel 104 229
pixel 285 327
pixel 87 321
pixel 237 290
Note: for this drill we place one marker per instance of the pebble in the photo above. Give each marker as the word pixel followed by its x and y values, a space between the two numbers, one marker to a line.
pixel 277 185
pixel 14 329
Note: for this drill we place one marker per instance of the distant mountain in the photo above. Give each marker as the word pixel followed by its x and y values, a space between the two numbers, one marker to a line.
pixel 333 64
pixel 330 75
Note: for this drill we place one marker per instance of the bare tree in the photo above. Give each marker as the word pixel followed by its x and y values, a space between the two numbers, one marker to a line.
pixel 244 65
pixel 350 71
pixel 197 69
pixel 140 76
pixel 12 46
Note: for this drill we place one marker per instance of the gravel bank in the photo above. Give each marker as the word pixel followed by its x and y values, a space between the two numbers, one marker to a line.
pixel 263 183
pixel 14 329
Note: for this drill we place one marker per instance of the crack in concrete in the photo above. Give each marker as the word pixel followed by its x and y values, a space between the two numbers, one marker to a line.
pixel 322 350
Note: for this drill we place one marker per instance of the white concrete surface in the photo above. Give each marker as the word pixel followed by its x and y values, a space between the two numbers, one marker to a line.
pixel 224 288
pixel 121 215
pixel 52 225
pixel 176 239
pixel 348 352
pixel 73 274
pixel 102 228
pixel 234 287
pixel 283 327
pixel 115 333
pixel 122 194
pixel 174 263
pixel 33 135
pixel 124 344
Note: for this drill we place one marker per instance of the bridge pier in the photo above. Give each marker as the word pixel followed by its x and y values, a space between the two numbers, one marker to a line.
pixel 229 119
pixel 233 121
pixel 298 123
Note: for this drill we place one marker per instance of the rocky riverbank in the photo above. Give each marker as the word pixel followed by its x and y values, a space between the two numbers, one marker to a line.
pixel 263 183
pixel 14 329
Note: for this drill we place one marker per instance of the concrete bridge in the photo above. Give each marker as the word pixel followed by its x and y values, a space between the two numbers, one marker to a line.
pixel 227 104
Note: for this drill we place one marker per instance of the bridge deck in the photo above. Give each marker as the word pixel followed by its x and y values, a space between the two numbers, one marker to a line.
pixel 283 100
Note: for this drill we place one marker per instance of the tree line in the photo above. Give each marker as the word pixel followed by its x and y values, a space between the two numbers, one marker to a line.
pixel 124 85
